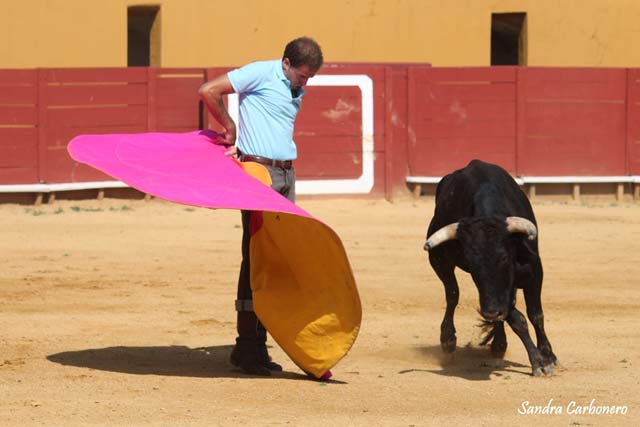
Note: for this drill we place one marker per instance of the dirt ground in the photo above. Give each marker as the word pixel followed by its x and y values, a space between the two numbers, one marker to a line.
pixel 120 312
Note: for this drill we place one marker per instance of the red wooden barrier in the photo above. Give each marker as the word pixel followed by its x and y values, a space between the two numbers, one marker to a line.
pixel 86 101
pixel 175 101
pixel 458 114
pixel 18 126
pixel 571 121
pixel 363 126
pixel 633 120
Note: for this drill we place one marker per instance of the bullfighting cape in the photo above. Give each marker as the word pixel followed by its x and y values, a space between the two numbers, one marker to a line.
pixel 304 291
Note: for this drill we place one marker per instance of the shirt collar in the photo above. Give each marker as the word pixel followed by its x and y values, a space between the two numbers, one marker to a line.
pixel 281 76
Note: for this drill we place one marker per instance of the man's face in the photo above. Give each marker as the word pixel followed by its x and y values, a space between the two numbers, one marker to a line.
pixel 297 76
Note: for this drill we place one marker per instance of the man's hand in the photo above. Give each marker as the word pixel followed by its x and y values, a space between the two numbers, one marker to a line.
pixel 228 138
pixel 232 151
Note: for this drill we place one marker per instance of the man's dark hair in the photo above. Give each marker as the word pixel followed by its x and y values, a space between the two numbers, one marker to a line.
pixel 304 51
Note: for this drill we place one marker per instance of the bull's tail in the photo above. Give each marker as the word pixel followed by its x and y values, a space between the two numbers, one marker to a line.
pixel 488 331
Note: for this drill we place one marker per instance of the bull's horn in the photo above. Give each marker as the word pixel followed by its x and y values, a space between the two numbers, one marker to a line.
pixel 516 224
pixel 448 232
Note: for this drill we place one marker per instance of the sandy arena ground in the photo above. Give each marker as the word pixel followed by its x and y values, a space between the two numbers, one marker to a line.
pixel 120 312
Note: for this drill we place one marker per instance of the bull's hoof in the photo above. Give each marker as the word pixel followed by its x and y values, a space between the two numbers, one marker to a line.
pixel 498 349
pixel 546 370
pixel 449 346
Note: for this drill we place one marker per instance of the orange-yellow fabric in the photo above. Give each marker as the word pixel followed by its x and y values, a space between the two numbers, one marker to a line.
pixel 257 171
pixel 304 291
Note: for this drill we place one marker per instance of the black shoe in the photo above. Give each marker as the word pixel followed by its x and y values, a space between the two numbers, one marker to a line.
pixel 245 356
pixel 265 359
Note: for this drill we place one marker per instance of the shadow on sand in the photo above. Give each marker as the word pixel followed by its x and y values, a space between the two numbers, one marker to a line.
pixel 471 363
pixel 177 361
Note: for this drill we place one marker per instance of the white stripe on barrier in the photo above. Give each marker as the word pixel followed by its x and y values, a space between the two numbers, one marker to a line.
pixel 543 179
pixel 52 188
pixel 364 183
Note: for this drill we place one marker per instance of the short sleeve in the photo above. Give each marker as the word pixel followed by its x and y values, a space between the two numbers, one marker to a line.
pixel 247 78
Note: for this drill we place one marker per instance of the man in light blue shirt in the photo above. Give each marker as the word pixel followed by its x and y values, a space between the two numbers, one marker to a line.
pixel 270 95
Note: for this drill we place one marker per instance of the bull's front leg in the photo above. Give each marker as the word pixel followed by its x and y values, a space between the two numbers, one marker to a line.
pixel 519 325
pixel 452 295
pixel 532 291
pixel 448 338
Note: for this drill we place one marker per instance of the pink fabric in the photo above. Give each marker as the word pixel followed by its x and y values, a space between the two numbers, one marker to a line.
pixel 182 167
pixel 189 168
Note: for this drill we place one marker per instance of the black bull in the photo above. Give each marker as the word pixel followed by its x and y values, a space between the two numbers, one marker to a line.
pixel 484 224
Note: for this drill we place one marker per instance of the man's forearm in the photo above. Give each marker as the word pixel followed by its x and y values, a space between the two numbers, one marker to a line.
pixel 212 93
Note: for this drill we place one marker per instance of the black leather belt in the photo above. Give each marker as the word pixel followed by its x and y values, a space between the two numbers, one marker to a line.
pixel 284 164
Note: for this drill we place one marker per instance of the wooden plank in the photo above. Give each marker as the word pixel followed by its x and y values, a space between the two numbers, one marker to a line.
pixel 572 74
pixel 576 119
pixel 312 145
pixel 22 136
pixel 58 137
pixel 172 92
pixel 465 74
pixel 61 168
pixel 95 75
pixel 462 109
pixel 129 94
pixel 347 165
pixel 186 117
pixel 102 116
pixel 163 128
pixel 17 77
pixel 473 91
pixel 18 155
pixel 21 95
pixel 18 115
pixel 18 175
pixel 469 128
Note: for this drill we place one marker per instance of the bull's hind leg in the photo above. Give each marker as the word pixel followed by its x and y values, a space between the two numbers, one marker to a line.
pixel 536 317
pixel 444 270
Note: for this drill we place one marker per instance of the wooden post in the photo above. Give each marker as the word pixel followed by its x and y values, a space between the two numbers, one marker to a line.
pixel 576 192
pixel 620 192
pixel 38 201
pixel 417 190
pixel 532 191
pixel 52 198
pixel 101 194
pixel 147 197
pixel 636 192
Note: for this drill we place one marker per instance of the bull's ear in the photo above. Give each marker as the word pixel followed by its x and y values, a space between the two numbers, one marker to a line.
pixel 516 224
pixel 448 232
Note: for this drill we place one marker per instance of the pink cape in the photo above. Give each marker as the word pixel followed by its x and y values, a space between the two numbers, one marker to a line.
pixel 303 287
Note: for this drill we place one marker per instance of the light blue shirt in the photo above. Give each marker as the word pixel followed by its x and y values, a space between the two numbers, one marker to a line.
pixel 267 110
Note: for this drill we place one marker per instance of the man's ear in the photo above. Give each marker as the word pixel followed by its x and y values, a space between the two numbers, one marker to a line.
pixel 286 63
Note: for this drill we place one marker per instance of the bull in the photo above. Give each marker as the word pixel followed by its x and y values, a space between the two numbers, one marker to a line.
pixel 484 224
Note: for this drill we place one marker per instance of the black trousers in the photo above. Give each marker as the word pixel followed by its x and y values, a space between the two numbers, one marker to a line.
pixel 284 182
